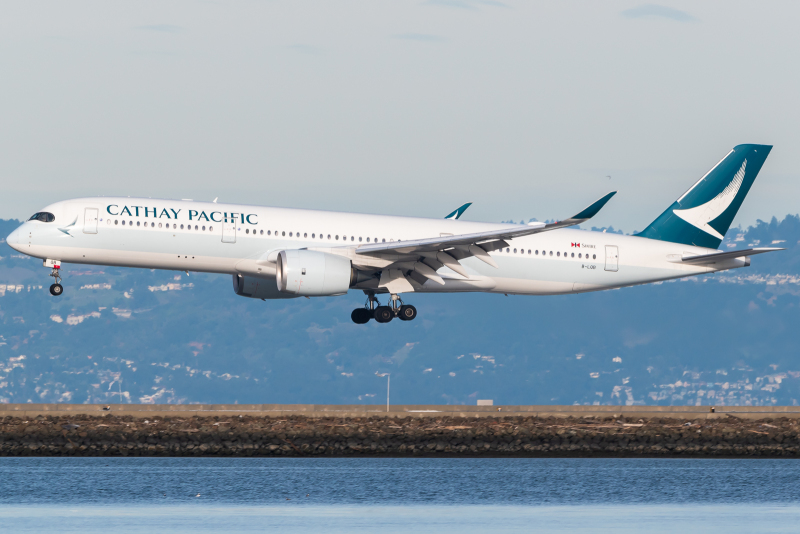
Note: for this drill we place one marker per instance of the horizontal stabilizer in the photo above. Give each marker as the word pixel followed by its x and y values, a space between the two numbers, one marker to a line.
pixel 716 257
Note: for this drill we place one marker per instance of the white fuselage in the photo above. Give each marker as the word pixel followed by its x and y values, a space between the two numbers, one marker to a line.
pixel 227 238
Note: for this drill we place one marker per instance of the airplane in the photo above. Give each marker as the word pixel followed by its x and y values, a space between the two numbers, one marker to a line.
pixel 279 253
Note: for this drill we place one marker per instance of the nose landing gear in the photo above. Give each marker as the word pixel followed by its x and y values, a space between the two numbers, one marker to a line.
pixel 383 314
pixel 56 289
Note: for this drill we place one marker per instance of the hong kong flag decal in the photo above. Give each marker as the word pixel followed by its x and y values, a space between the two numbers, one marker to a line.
pixel 576 245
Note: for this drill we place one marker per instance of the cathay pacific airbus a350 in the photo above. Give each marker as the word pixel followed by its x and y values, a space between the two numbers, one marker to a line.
pixel 276 253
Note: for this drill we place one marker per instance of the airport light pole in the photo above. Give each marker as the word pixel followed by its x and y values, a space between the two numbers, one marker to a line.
pixel 388 378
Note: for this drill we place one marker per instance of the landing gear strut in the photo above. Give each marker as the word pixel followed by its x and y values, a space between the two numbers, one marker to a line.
pixel 56 289
pixel 383 314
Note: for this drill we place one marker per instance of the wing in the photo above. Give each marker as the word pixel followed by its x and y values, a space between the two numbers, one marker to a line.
pixel 399 265
pixel 459 212
pixel 441 243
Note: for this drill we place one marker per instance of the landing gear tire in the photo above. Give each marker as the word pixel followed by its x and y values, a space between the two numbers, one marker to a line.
pixel 383 314
pixel 56 289
pixel 407 312
pixel 361 315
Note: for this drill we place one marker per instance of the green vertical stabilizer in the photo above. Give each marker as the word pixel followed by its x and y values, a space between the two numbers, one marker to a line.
pixel 703 214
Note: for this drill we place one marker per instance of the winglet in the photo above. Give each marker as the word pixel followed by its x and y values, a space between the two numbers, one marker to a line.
pixel 459 212
pixel 592 210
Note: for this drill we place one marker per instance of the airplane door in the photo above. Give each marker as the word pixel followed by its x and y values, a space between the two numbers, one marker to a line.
pixel 229 231
pixel 90 221
pixel 612 258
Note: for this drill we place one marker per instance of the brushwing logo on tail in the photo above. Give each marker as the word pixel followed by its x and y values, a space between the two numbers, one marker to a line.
pixel 701 215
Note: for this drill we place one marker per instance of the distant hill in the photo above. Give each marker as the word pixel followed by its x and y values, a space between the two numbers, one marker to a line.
pixel 721 339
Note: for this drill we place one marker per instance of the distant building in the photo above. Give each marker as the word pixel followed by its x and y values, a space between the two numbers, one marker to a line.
pixel 485 402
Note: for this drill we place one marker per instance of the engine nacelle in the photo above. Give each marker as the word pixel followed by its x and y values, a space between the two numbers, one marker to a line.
pixel 310 273
pixel 258 288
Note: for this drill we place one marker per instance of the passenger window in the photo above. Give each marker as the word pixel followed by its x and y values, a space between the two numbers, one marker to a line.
pixel 138 223
pixel 261 232
pixel 116 221
pixel 359 240
pixel 181 227
pixel 329 236
pixel 551 252
pixel 594 256
pixel 367 240
pixel 572 255
pixel 313 236
pixel 210 228
pixel 204 229
pixel 305 234
pixel 283 234
pixel 384 240
pixel 515 251
pixel 290 234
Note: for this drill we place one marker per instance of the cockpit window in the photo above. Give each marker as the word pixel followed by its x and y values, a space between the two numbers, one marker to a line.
pixel 43 216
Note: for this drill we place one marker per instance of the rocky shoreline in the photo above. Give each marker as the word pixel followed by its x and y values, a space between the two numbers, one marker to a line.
pixel 300 436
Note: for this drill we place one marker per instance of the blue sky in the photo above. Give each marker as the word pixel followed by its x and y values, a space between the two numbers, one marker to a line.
pixel 397 107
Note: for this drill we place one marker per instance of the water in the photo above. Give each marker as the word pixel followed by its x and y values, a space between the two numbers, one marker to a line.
pixel 398 495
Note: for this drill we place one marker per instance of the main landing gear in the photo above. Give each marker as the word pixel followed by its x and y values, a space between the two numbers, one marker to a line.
pixel 383 314
pixel 56 289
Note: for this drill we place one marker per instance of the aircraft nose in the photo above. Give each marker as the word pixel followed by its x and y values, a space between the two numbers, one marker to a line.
pixel 13 239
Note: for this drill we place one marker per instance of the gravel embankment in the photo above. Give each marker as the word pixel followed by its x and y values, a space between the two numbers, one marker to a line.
pixel 383 436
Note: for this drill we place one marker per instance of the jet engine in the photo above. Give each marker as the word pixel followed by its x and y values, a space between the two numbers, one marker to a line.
pixel 258 288
pixel 309 273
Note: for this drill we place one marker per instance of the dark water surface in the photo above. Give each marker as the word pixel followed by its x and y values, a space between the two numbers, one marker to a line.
pixel 398 495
